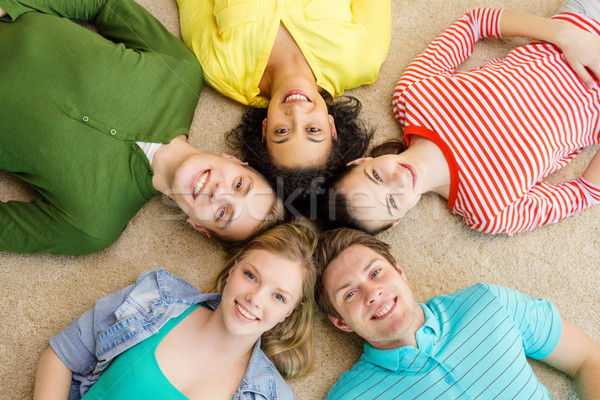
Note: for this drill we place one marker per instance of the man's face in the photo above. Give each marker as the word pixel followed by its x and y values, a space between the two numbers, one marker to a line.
pixel 372 297
pixel 221 195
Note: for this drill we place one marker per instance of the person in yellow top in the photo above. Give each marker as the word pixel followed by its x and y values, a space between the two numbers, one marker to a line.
pixel 285 58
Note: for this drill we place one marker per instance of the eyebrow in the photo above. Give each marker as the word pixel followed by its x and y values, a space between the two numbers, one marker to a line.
pixel 348 284
pixel 372 179
pixel 309 138
pixel 278 289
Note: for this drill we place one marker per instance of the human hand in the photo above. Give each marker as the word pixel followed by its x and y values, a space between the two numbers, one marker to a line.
pixel 2 12
pixel 581 49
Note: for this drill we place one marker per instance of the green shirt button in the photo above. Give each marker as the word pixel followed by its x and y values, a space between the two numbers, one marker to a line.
pixel 85 118
pixel 113 132
pixel 134 147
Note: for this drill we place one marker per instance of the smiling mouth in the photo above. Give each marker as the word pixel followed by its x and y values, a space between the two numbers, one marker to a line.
pixel 385 309
pixel 411 173
pixel 295 96
pixel 245 312
pixel 199 184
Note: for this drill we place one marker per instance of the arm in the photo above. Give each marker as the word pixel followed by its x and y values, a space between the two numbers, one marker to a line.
pixel 592 172
pixel 52 379
pixel 38 227
pixel 123 21
pixel 447 51
pixel 2 12
pixel 580 48
pixel 578 356
pixel 543 204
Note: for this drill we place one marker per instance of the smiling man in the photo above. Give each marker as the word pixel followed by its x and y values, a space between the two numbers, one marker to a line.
pixel 473 343
pixel 96 123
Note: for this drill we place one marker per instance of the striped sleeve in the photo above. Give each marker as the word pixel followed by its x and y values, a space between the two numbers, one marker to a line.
pixel 448 50
pixel 543 204
pixel 538 320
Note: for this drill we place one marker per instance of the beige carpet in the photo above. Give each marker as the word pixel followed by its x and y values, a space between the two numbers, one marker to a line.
pixel 40 294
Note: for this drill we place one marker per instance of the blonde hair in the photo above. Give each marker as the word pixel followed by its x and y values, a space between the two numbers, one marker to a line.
pixel 288 344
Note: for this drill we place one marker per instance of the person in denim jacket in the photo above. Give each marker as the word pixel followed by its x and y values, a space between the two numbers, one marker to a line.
pixel 162 338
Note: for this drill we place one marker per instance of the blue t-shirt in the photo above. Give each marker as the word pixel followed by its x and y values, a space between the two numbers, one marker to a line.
pixel 474 344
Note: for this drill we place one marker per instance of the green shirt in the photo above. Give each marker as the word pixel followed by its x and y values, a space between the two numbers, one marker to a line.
pixel 72 105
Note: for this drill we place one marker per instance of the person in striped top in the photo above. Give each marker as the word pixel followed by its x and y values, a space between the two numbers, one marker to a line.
pixel 485 139
pixel 464 345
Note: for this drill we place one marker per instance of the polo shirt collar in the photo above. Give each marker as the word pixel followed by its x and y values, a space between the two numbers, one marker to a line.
pixel 406 357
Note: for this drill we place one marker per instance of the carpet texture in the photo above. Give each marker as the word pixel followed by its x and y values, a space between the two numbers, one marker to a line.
pixel 41 294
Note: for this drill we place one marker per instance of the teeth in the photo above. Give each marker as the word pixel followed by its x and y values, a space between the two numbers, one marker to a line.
pixel 385 310
pixel 200 184
pixel 245 313
pixel 296 97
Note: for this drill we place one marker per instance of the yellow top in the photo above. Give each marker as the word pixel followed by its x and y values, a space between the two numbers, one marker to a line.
pixel 344 41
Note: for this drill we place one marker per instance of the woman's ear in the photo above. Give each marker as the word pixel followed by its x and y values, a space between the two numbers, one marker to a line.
pixel 264 129
pixel 359 161
pixel 332 127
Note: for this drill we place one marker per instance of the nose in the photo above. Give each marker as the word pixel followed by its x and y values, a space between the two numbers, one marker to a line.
pixel 374 293
pixel 254 298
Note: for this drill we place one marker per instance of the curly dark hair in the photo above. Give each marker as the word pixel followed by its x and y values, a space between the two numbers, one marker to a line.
pixel 335 211
pixel 302 189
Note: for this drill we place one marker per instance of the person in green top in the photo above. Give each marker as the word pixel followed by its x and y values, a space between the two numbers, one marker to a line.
pixel 96 123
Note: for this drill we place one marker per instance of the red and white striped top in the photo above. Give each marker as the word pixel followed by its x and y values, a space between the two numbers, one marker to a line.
pixel 503 127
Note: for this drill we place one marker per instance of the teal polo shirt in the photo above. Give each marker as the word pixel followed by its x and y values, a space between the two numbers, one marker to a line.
pixel 474 345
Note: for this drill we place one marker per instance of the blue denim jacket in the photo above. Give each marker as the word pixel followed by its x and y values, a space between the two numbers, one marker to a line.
pixel 126 317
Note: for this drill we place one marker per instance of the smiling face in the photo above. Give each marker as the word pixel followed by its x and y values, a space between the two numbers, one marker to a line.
pixel 372 297
pixel 298 131
pixel 221 195
pixel 380 190
pixel 262 289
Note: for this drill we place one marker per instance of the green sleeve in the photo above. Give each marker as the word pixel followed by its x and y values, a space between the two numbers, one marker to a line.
pixel 122 21
pixel 37 227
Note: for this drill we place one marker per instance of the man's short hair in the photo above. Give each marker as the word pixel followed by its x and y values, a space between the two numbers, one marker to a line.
pixel 331 244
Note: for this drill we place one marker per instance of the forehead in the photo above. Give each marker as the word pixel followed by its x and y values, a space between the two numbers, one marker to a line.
pixel 349 263
pixel 277 270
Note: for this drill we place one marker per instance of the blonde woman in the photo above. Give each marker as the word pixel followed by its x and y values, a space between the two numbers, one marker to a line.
pixel 162 339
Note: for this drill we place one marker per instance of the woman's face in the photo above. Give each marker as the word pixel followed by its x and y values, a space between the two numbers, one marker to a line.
pixel 380 190
pixel 298 131
pixel 261 291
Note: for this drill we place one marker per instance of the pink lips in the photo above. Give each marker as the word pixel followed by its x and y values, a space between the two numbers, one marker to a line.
pixel 413 172
pixel 293 92
pixel 242 316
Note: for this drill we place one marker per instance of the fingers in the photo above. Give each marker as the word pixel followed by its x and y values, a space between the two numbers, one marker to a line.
pixel 583 74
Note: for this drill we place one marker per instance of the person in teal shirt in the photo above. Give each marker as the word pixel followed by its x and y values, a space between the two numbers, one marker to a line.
pixel 163 339
pixel 96 123
pixel 470 344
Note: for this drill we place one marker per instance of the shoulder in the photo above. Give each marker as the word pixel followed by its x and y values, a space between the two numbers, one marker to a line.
pixel 262 380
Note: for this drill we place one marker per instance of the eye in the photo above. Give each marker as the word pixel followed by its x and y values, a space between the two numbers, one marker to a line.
pixel 250 276
pixel 349 296
pixel 377 177
pixel 375 273
pixel 279 297
pixel 238 185
pixel 392 202
pixel 282 131
pixel 313 130
pixel 221 214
